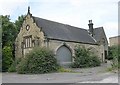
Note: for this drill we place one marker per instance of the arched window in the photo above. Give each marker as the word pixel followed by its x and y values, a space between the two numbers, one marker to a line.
pixel 27 40
pixel 64 56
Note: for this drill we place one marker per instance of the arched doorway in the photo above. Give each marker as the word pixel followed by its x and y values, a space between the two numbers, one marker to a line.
pixel 64 56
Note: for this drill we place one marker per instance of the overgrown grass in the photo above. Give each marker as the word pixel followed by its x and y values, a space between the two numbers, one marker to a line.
pixel 61 69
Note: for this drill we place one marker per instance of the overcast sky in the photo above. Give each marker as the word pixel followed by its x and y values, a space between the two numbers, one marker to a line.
pixel 73 12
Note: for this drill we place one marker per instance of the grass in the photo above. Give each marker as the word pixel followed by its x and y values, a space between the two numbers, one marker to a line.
pixel 111 69
pixel 61 69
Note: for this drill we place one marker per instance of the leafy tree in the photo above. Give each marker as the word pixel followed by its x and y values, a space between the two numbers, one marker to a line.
pixel 8 31
pixel 7 58
pixel 18 23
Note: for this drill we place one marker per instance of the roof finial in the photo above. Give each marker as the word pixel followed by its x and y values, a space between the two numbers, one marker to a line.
pixel 90 21
pixel 28 9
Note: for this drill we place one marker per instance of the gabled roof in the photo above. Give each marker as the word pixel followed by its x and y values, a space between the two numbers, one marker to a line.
pixel 99 34
pixel 55 30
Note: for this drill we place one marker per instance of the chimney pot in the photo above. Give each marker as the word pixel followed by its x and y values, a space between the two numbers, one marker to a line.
pixel 90 27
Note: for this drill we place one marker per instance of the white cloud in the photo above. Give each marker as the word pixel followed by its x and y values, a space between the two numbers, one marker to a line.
pixel 73 12
pixel 10 7
pixel 91 2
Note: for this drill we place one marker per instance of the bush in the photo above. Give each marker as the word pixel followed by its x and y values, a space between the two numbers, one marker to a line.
pixel 84 58
pixel 12 67
pixel 18 60
pixel 114 52
pixel 39 60
pixel 6 58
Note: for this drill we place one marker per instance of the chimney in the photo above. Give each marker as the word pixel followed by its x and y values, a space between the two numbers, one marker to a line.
pixel 90 27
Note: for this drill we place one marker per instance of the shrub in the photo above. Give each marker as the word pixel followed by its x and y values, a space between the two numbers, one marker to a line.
pixel 114 52
pixel 18 60
pixel 84 58
pixel 6 58
pixel 39 60
pixel 12 67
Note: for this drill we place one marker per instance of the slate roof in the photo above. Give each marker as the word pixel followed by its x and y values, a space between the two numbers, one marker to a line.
pixel 59 31
pixel 99 34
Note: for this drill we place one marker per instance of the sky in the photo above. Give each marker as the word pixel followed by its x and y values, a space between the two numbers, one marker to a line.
pixel 72 12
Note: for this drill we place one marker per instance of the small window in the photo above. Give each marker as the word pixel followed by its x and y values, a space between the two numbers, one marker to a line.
pixel 27 41
pixel 27 27
pixel 37 41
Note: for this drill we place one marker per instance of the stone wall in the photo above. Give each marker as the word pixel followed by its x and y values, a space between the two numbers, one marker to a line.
pixel 98 50
pixel 34 31
pixel 114 40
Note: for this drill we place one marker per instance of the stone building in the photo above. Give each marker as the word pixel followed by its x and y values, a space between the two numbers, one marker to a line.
pixel 61 38
pixel 114 40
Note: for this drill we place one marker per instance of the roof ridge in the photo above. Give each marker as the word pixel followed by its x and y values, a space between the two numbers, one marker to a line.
pixel 98 27
pixel 60 23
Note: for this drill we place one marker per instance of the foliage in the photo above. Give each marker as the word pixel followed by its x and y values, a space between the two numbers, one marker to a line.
pixel 8 33
pixel 18 23
pixel 84 58
pixel 7 58
pixel 18 60
pixel 114 52
pixel 61 69
pixel 8 30
pixel 12 67
pixel 39 60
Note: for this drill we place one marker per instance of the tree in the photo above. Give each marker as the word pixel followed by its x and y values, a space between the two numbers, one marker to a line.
pixel 7 58
pixel 9 33
pixel 18 23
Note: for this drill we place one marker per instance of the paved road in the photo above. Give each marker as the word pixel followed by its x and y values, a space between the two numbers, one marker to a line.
pixel 110 79
pixel 57 78
pixel 88 75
